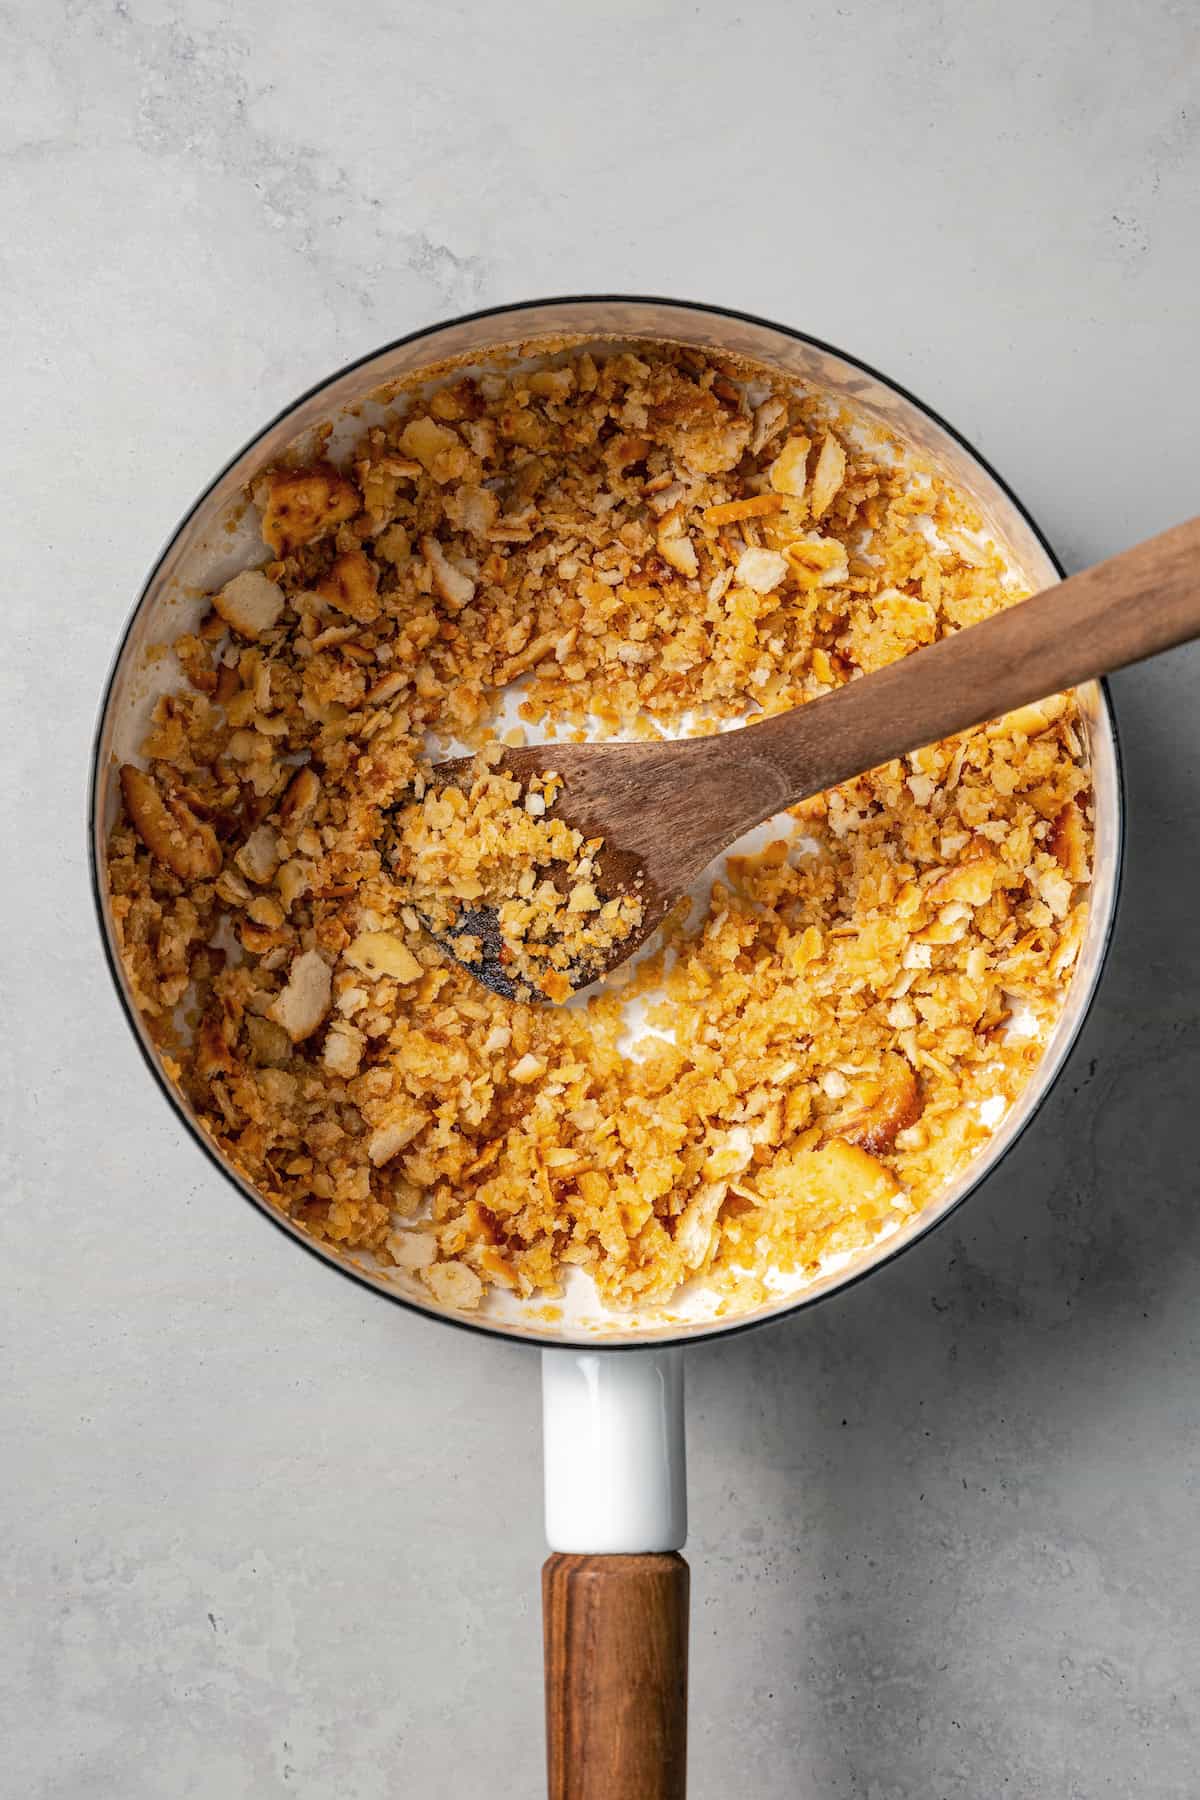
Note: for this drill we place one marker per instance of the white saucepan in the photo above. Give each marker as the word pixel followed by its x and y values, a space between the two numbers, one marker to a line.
pixel 615 1590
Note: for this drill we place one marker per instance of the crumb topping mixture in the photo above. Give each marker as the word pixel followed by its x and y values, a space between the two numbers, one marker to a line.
pixel 487 857
pixel 646 540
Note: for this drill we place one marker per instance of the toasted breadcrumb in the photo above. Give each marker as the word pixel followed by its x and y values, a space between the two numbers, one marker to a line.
pixel 647 548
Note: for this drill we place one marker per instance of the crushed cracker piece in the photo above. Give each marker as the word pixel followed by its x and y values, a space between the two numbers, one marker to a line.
pixel 169 828
pixel 674 545
pixel 1068 842
pixel 352 586
pixel 250 604
pixel 412 1249
pixel 430 443
pixel 398 1131
pixel 732 512
pixel 828 475
pixel 302 1004
pixel 453 1284
pixel 817 561
pixel 383 953
pixel 789 471
pixel 343 1049
pixel 1030 720
pixel 258 857
pixel 456 588
pixel 762 570
pixel 306 504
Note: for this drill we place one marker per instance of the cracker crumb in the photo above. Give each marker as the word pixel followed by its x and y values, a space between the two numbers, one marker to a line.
pixel 302 1004
pixel 490 844
pixel 250 604
pixel 635 535
pixel 828 475
pixel 453 1284
pixel 762 570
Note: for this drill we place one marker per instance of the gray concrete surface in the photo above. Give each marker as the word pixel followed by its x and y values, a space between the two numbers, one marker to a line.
pixel 262 1537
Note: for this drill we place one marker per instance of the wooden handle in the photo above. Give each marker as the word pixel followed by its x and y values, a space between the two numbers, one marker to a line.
pixel 615 1632
pixel 1133 606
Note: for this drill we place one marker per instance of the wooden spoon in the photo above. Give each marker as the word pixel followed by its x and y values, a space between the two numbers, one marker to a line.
pixel 666 809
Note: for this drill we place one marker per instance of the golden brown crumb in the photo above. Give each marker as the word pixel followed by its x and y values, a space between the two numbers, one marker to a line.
pixel 168 828
pixel 645 548
pixel 491 844
pixel 303 504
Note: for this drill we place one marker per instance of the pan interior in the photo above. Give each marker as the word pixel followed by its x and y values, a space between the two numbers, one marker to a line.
pixel 220 537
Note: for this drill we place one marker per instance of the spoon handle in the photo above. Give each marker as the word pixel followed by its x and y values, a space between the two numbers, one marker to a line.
pixel 1130 607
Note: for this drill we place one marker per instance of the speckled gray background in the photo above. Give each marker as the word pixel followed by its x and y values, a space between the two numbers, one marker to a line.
pixel 263 1537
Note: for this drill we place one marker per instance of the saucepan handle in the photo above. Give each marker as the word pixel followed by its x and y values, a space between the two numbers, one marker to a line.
pixel 615 1589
